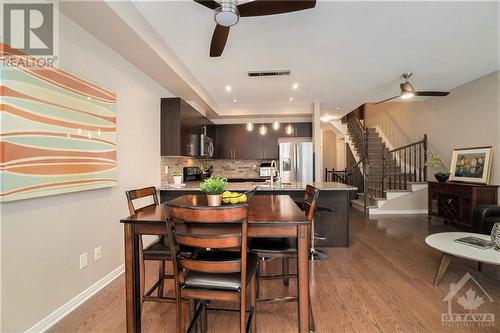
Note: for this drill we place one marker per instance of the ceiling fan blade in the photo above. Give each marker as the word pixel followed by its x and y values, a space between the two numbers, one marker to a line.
pixel 219 39
pixel 271 7
pixel 386 100
pixel 431 93
pixel 212 4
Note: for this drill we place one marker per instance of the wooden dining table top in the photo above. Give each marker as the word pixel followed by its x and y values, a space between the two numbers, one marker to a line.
pixel 262 209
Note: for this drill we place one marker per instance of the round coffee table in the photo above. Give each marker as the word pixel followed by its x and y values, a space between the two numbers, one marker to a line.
pixel 445 242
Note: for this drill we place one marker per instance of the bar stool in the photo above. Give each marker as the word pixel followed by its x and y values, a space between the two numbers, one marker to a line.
pixel 284 249
pixel 158 250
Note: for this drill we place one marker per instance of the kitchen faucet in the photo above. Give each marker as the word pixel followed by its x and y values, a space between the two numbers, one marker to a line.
pixel 273 168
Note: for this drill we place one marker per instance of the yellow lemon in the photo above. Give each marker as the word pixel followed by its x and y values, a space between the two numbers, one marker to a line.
pixel 226 194
pixel 243 198
pixel 234 200
pixel 225 200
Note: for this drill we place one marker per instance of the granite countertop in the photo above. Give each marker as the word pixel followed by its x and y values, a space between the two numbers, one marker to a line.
pixel 246 186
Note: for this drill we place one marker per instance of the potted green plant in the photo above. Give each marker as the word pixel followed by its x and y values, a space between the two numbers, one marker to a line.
pixel 435 162
pixel 213 188
pixel 177 175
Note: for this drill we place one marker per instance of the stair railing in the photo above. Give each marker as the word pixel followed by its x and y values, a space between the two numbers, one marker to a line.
pixel 359 134
pixel 404 164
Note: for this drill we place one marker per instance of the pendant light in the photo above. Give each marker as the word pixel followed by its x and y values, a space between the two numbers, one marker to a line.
pixel 289 129
pixel 276 125
pixel 249 123
pixel 262 129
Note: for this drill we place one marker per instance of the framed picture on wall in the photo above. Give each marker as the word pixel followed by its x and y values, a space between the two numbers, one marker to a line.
pixel 471 165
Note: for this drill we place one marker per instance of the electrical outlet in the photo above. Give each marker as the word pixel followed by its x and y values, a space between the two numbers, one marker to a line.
pixel 166 169
pixel 83 260
pixel 97 253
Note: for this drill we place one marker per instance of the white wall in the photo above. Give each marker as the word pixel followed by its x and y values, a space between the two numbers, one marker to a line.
pixel 329 145
pixel 468 117
pixel 42 238
pixel 341 162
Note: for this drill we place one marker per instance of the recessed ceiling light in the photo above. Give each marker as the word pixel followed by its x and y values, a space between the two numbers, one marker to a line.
pixel 295 86
pixel 338 109
pixel 235 100
pixel 228 88
pixel 290 99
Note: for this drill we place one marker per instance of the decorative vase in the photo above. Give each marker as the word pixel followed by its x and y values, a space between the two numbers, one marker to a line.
pixel 214 199
pixel 177 180
pixel 495 235
pixel 442 177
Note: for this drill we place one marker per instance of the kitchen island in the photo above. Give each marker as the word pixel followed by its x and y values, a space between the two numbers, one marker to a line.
pixel 331 220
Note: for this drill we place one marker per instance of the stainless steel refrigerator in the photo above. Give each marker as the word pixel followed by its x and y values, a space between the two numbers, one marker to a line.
pixel 296 161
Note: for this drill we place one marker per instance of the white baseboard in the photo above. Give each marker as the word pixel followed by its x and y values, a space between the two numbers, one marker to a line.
pixel 398 212
pixel 49 321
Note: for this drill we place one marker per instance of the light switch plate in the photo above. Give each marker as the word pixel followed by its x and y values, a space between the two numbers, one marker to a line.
pixel 83 260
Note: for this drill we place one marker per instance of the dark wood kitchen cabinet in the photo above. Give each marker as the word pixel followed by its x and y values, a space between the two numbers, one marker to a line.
pixel 299 130
pixel 231 141
pixel 180 127
pixel 235 142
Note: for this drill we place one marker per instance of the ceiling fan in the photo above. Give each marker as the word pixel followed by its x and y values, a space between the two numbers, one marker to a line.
pixel 407 91
pixel 227 13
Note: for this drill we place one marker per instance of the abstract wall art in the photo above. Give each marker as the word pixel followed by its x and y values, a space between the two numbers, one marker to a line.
pixel 57 131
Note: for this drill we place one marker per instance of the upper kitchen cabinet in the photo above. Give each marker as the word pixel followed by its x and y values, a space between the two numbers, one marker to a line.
pixel 235 142
pixel 299 129
pixel 180 128
pixel 232 141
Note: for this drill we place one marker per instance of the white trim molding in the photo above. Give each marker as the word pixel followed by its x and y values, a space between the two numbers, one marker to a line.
pixel 398 212
pixel 49 321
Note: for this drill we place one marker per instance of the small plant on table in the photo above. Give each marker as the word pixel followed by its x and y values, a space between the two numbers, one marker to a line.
pixel 213 187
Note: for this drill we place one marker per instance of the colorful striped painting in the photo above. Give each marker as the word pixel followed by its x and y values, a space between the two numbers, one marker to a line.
pixel 57 132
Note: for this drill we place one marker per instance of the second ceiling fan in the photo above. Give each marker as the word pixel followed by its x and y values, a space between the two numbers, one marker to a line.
pixel 227 13
pixel 407 91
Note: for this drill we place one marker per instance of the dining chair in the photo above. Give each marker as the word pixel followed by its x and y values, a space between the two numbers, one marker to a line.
pixel 285 249
pixel 220 269
pixel 158 250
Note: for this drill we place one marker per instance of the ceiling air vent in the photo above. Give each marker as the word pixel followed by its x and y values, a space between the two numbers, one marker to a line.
pixel 269 73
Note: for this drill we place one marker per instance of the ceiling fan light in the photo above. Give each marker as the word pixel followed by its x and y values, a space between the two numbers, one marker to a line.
pixel 407 94
pixel 227 14
pixel 407 90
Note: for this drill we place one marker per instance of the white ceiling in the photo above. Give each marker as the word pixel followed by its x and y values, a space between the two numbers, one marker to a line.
pixel 342 54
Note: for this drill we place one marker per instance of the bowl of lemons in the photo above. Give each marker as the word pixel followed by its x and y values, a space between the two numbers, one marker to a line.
pixel 234 197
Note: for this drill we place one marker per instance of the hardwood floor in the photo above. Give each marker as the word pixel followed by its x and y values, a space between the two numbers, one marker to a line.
pixel 381 283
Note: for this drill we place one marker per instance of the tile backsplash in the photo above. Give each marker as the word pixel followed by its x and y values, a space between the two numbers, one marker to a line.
pixel 222 168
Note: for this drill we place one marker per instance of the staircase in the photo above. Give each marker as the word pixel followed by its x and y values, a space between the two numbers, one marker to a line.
pixel 393 181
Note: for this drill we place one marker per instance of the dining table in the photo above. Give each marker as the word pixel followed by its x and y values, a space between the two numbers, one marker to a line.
pixel 268 216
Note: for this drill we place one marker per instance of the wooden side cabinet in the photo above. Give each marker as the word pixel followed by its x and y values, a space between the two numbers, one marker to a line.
pixel 454 202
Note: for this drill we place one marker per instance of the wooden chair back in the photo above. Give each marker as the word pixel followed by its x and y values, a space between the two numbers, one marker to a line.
pixel 215 228
pixel 139 194
pixel 310 201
